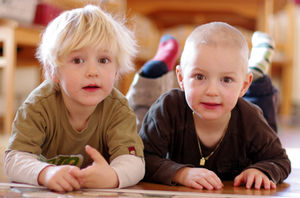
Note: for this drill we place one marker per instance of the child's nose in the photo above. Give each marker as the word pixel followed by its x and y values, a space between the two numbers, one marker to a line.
pixel 92 70
pixel 212 88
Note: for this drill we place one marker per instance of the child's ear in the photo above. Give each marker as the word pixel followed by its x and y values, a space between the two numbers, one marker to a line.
pixel 246 84
pixel 179 75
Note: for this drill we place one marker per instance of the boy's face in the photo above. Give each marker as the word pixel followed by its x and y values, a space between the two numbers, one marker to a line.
pixel 213 79
pixel 86 76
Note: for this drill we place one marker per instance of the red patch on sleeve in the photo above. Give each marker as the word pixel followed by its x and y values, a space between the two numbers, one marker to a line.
pixel 132 150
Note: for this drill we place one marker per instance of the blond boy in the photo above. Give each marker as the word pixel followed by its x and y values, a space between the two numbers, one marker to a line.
pixel 76 130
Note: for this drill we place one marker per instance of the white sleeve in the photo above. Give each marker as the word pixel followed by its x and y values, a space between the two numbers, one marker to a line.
pixel 129 168
pixel 23 167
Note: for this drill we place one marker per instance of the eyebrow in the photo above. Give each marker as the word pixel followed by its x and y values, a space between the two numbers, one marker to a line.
pixel 204 71
pixel 228 73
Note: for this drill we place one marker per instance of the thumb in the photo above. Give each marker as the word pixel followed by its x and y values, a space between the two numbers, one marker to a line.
pixel 94 154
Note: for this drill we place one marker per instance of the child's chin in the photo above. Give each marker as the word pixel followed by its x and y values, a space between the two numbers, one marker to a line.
pixel 91 103
pixel 211 116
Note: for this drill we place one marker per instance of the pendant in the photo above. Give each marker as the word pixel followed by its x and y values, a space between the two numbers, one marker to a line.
pixel 202 161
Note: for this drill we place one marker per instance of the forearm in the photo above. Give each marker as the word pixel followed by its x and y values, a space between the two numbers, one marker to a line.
pixel 180 175
pixel 130 169
pixel 277 171
pixel 23 167
pixel 273 161
pixel 161 170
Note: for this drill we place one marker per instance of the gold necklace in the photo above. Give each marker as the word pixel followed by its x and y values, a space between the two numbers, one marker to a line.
pixel 203 159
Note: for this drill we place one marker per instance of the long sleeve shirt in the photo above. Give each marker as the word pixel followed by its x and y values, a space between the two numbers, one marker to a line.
pixel 170 142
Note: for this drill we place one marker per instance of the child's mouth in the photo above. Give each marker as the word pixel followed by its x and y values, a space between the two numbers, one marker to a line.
pixel 210 105
pixel 91 88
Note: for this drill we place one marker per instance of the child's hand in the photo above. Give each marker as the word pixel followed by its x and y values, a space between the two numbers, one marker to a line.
pixel 99 174
pixel 254 177
pixel 58 178
pixel 199 178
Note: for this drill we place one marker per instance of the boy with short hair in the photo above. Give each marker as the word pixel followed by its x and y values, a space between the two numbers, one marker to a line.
pixel 206 132
pixel 76 118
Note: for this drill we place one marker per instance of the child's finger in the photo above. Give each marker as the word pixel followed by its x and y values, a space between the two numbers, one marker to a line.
pixel 76 172
pixel 238 180
pixel 195 185
pixel 258 182
pixel 202 181
pixel 273 185
pixel 215 182
pixel 64 185
pixel 56 187
pixel 249 182
pixel 267 183
pixel 94 154
pixel 73 181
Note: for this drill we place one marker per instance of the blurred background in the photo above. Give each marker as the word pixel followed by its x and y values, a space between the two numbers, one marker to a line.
pixel 21 23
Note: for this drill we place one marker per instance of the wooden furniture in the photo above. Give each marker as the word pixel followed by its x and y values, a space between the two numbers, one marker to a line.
pixel 285 53
pixel 113 6
pixel 13 36
pixel 249 14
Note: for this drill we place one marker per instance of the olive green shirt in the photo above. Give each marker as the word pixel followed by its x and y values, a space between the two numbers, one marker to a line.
pixel 41 127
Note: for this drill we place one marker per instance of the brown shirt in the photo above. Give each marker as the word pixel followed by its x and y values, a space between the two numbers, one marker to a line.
pixel 170 142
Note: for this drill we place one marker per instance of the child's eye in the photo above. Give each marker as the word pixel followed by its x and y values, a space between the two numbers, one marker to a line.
pixel 227 79
pixel 199 77
pixel 77 60
pixel 103 60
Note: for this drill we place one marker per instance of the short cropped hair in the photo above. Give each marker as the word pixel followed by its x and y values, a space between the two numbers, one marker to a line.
pixel 216 34
pixel 82 27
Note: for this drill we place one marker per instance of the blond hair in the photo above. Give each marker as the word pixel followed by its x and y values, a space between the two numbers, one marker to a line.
pixel 81 27
pixel 216 34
